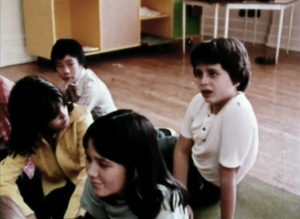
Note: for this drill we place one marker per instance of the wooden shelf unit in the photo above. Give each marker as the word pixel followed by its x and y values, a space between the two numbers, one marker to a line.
pixel 154 17
pixel 72 20
pixel 159 27
pixel 105 24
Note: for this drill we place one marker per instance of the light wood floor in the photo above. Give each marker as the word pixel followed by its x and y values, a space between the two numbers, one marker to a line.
pixel 158 82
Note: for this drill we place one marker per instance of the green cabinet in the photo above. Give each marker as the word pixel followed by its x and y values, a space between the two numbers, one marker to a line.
pixel 192 23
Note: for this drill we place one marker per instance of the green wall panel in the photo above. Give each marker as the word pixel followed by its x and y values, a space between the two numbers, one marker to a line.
pixel 192 23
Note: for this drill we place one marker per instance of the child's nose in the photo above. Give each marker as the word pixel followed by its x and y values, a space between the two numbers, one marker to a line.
pixel 204 79
pixel 92 171
pixel 67 70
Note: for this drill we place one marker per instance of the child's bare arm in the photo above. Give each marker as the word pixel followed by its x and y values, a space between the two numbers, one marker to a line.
pixel 182 153
pixel 228 191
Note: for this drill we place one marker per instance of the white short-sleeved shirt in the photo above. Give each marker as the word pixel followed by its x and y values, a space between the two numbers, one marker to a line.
pixel 89 91
pixel 101 209
pixel 229 138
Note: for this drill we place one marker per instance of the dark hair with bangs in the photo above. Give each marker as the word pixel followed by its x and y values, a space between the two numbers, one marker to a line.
pixel 129 139
pixel 32 104
pixel 230 53
pixel 64 47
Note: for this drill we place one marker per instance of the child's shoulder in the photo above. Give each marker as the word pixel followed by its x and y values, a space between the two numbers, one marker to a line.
pixel 78 112
pixel 239 101
pixel 239 106
pixel 90 78
pixel 197 100
pixel 197 105
pixel 89 75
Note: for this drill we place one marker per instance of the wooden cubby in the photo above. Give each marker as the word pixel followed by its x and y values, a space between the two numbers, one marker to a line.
pixel 104 24
pixel 162 25
pixel 79 20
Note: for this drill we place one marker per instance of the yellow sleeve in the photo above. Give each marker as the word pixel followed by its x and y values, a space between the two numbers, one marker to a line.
pixel 10 169
pixel 74 208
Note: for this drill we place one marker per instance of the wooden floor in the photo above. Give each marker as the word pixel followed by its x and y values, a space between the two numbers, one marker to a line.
pixel 158 83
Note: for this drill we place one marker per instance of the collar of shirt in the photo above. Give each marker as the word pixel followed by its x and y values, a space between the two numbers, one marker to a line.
pixel 79 84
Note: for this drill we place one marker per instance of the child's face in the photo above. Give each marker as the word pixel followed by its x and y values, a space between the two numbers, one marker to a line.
pixel 61 120
pixel 106 176
pixel 215 84
pixel 68 68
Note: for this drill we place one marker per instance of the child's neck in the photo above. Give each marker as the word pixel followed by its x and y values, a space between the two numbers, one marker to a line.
pixel 215 108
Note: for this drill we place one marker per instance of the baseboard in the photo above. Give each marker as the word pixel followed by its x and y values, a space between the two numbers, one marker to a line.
pixel 13 52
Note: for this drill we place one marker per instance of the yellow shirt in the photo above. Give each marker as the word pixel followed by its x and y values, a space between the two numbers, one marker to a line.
pixel 67 161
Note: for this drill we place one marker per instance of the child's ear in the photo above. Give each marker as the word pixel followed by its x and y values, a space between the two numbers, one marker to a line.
pixel 236 84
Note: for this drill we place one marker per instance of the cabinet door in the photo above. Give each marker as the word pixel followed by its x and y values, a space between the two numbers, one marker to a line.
pixel 192 23
pixel 39 26
pixel 119 24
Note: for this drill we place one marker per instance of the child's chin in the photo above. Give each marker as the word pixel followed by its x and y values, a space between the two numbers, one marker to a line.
pixel 102 194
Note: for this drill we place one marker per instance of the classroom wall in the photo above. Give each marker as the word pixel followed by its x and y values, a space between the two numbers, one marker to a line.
pixel 295 36
pixel 267 27
pixel 12 34
pixel 236 25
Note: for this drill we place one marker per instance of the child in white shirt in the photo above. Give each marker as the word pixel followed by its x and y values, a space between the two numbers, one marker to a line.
pixel 218 141
pixel 81 84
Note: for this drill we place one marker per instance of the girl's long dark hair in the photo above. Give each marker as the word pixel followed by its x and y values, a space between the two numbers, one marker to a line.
pixel 129 139
pixel 32 104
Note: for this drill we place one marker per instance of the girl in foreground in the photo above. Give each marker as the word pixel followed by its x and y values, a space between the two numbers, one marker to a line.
pixel 127 177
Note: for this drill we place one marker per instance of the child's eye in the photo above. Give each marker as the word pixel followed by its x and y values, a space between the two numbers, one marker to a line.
pixel 103 165
pixel 212 73
pixel 197 73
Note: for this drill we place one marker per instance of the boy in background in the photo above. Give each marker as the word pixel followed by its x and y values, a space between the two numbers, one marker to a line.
pixel 84 87
pixel 81 84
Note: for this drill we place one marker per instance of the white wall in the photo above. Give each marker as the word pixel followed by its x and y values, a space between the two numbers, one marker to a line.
pixel 266 27
pixel 236 25
pixel 12 35
pixel 295 36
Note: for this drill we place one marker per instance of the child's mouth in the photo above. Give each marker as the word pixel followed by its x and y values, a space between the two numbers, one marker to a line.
pixel 67 78
pixel 206 93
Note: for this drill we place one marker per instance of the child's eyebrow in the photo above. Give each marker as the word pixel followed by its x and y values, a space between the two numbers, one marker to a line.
pixel 213 69
pixel 102 159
